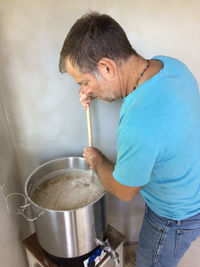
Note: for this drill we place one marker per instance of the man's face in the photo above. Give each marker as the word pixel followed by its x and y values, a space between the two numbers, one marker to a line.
pixel 100 88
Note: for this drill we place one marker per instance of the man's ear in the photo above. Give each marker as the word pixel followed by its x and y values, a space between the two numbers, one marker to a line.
pixel 106 68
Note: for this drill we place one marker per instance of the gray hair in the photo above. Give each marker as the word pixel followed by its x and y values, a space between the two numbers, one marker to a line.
pixel 91 38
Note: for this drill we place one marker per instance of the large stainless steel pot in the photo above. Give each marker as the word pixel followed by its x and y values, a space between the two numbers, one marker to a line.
pixel 70 233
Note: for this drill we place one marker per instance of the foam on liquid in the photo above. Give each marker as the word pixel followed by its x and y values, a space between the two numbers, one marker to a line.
pixel 72 190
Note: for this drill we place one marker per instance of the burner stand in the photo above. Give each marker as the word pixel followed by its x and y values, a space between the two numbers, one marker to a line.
pixel 37 257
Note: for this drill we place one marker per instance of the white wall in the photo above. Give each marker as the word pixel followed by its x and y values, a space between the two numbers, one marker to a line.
pixel 11 228
pixel 43 113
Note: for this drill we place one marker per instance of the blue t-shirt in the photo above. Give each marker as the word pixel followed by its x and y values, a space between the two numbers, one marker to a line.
pixel 158 141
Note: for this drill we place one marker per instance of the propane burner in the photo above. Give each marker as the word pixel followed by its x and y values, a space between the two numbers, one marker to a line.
pixel 109 252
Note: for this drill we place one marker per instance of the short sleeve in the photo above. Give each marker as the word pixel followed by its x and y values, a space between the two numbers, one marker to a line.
pixel 136 156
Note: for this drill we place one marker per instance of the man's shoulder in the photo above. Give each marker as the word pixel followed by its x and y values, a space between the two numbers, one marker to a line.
pixel 173 65
pixel 167 59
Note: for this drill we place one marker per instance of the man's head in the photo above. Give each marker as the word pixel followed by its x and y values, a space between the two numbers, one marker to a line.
pixel 93 53
pixel 92 38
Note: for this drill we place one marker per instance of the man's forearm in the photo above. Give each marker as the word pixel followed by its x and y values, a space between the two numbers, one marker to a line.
pixel 104 169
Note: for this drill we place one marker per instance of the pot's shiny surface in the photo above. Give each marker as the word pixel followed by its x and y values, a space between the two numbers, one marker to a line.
pixel 69 233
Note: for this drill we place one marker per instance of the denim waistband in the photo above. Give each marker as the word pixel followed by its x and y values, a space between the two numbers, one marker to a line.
pixel 178 222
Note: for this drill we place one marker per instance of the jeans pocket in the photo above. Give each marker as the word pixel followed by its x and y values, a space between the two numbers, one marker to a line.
pixel 184 239
pixel 157 222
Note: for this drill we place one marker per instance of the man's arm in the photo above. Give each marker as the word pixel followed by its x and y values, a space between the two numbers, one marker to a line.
pixel 104 169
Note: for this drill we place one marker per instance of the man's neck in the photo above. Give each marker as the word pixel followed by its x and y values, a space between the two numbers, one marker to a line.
pixel 131 70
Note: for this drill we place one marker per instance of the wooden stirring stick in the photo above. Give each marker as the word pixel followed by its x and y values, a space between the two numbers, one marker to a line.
pixel 89 124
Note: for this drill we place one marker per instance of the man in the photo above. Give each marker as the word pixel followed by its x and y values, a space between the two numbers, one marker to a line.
pixel 158 140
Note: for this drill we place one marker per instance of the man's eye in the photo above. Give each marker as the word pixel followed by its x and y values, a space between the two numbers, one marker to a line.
pixel 85 84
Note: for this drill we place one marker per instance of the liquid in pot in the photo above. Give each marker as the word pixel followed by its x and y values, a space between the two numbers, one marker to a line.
pixel 74 189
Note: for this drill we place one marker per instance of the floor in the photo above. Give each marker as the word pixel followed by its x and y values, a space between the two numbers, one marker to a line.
pixel 190 259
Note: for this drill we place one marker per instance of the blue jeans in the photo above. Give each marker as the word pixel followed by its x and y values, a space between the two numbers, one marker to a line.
pixel 163 242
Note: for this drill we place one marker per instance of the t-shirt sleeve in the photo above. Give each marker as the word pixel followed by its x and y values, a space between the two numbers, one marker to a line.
pixel 136 156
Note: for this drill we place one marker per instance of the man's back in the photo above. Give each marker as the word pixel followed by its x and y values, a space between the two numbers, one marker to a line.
pixel 161 121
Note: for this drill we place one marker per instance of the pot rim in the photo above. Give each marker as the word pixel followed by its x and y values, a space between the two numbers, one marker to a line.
pixel 52 210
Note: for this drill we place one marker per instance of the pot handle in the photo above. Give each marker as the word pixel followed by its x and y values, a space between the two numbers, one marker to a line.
pixel 21 208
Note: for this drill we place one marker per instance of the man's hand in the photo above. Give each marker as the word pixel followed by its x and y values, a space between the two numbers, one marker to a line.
pixel 93 157
pixel 85 97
